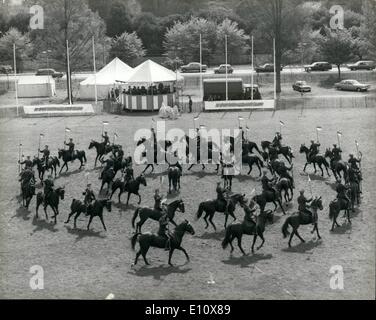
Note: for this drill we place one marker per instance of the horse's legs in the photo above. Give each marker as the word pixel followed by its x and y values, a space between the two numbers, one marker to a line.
pixel 317 231
pixel 129 195
pixel 263 241
pixel 322 171
pixel 280 204
pixel 211 221
pixel 305 166
pixel 314 165
pixel 170 256
pixel 206 221
pixel 185 252
pixel 88 225
pixel 45 211
pixel 275 205
pixel 101 217
pixel 120 192
pixel 298 235
pixel 291 236
pixel 69 216
pixel 230 242
pixel 259 167
pixel 75 219
pixel 240 245
pixel 137 255
pixel 254 241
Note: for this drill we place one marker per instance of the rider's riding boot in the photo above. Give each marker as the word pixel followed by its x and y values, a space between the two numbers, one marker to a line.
pixel 167 247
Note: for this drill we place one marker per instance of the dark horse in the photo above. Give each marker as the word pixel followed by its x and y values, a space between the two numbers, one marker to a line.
pixel 28 190
pixel 334 209
pixel 148 240
pixel 131 187
pixel 337 166
pixel 174 175
pixel 316 159
pixel 285 185
pixel 196 155
pixel 252 159
pixel 146 213
pixel 94 210
pixel 52 163
pixel 269 196
pixel 354 193
pixel 107 178
pixel 102 150
pixel 154 146
pixel 66 156
pixel 52 201
pixel 256 229
pixel 286 151
pixel 298 219
pixel 210 207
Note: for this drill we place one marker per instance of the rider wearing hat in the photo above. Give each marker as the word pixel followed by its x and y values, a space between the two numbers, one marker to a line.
pixel 283 173
pixel 89 195
pixel 353 162
pixel 336 153
pixel 302 203
pixel 28 163
pixel 48 186
pixel 314 148
pixel 176 164
pixel 163 225
pixel 109 164
pixel 342 192
pixel 70 145
pixel 106 138
pixel 157 200
pixel 249 213
pixel 277 140
pixel 223 195
pixel 120 153
pixel 46 154
pixel 267 183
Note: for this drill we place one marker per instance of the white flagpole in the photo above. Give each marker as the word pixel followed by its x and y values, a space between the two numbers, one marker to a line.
pixel 275 74
pixel 201 84
pixel 69 76
pixel 226 68
pixel 252 71
pixel 95 73
pixel 15 75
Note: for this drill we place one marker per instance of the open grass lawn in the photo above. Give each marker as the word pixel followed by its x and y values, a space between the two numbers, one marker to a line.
pixel 91 264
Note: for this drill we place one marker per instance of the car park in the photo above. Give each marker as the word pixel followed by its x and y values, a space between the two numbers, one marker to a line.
pixel 267 67
pixel 318 66
pixel 301 86
pixel 49 72
pixel 362 65
pixel 193 67
pixel 222 69
pixel 351 85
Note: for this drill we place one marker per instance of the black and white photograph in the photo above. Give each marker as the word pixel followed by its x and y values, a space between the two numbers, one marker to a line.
pixel 187 150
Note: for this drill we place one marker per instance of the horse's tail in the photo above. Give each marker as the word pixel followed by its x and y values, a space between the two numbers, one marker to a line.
pixel 285 228
pixel 134 240
pixel 135 216
pixel 226 240
pixel 200 211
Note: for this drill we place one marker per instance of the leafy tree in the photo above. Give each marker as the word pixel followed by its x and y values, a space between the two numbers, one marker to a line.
pixel 337 48
pixel 20 21
pixel 236 38
pixel 118 20
pixel 368 28
pixel 127 47
pixel 23 47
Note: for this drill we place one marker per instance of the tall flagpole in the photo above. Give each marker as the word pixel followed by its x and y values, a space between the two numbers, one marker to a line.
pixel 226 68
pixel 95 73
pixel 15 75
pixel 275 74
pixel 201 88
pixel 252 71
pixel 69 76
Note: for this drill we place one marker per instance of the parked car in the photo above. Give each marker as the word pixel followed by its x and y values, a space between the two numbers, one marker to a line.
pixel 267 67
pixel 222 69
pixel 318 66
pixel 49 72
pixel 194 67
pixel 301 86
pixel 362 65
pixel 351 85
pixel 6 69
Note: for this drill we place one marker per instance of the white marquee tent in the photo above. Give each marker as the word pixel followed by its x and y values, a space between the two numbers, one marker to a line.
pixel 150 72
pixel 36 86
pixel 105 79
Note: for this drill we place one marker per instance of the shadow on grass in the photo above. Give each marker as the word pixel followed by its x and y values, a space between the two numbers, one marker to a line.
pixel 212 235
pixel 343 229
pixel 84 233
pixel 22 213
pixel 157 272
pixel 302 247
pixel 69 173
pixel 246 261
pixel 41 225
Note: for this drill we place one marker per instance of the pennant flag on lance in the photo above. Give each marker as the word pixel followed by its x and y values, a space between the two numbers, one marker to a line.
pixel 247 128
pixel 339 133
pixel 115 135
pixel 310 186
pixel 105 123
pixel 281 123
pixel 41 135
pixel 67 129
pixel 319 128
pixel 240 118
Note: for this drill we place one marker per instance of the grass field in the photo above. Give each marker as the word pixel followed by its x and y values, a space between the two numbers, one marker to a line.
pixel 91 264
